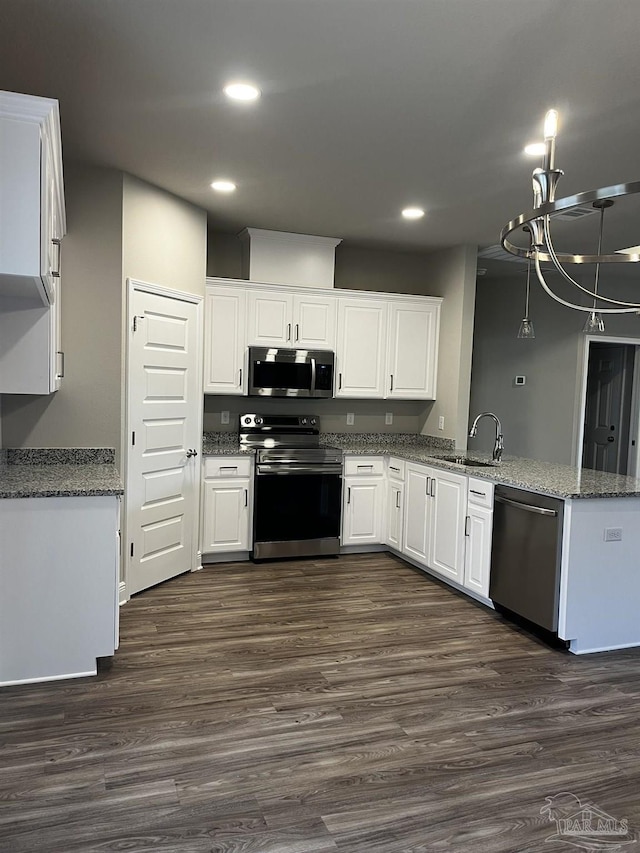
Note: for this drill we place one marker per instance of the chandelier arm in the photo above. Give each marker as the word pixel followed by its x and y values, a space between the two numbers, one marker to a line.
pixel 566 204
pixel 564 302
pixel 554 259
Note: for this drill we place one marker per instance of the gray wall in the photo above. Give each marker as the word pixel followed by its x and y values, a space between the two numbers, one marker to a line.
pixel 450 273
pixel 164 238
pixel 86 410
pixel 541 420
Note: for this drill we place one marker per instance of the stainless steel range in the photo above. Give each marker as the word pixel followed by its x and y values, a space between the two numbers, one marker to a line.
pixel 297 488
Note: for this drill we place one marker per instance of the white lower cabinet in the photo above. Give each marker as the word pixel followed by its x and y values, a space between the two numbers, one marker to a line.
pixel 363 500
pixel 395 501
pixel 478 531
pixel 434 517
pixel 448 508
pixel 226 506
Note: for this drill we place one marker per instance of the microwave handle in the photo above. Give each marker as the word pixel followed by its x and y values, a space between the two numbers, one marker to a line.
pixel 313 376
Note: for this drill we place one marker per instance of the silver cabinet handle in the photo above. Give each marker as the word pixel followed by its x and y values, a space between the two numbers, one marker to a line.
pixel 391 468
pixel 228 467
pixel 348 494
pixel 297 332
pixel 56 272
pixel 391 389
pixel 476 492
pixel 339 382
pixel 433 487
pixel 246 497
pixel 428 489
pixel 397 500
pixel 288 331
pixel 365 467
pixel 61 373
pixel 240 378
pixel 466 525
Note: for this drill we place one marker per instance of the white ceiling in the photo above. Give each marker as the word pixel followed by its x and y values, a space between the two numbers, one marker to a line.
pixel 368 105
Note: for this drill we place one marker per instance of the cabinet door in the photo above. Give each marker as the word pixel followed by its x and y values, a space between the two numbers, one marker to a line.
pixel 448 510
pixel 412 352
pixel 314 322
pixel 394 515
pixel 362 518
pixel 477 561
pixel 416 512
pixel 270 314
pixel 224 340
pixel 226 516
pixel 361 349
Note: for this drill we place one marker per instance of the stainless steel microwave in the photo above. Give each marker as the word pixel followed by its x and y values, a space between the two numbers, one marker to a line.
pixel 275 372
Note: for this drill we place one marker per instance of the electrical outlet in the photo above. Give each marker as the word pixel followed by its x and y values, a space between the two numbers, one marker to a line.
pixel 441 422
pixel 388 418
pixel 613 534
pixel 350 418
pixel 224 417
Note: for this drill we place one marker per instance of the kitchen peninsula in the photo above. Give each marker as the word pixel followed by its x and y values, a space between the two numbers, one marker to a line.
pixel 59 562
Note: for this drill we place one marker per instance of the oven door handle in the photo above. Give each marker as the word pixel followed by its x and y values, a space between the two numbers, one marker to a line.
pixel 262 469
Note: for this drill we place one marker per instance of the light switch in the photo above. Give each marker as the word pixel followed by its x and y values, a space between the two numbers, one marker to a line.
pixel 441 422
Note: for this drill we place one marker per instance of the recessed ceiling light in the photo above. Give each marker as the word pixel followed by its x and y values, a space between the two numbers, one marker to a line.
pixel 535 149
pixel 223 186
pixel 242 91
pixel 413 213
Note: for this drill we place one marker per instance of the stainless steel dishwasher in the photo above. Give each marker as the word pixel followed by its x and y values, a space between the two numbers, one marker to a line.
pixel 525 555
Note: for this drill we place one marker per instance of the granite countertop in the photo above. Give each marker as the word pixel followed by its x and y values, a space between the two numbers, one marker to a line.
pixel 72 472
pixel 548 478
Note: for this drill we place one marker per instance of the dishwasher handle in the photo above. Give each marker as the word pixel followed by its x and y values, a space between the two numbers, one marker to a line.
pixel 539 510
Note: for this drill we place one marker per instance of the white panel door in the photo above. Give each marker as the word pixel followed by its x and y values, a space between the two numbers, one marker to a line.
pixel 224 340
pixel 226 516
pixel 363 504
pixel 477 558
pixel 361 349
pixel 269 322
pixel 416 512
pixel 314 321
pixel 448 510
pixel 165 400
pixel 413 341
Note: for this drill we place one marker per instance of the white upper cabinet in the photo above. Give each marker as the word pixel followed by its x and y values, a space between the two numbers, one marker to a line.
pixel 314 321
pixel 224 340
pixel 361 350
pixel 270 318
pixel 412 354
pixel 31 197
pixel 291 319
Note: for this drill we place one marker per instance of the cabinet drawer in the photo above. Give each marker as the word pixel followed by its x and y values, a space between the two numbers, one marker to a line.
pixel 227 466
pixel 480 492
pixel 361 466
pixel 395 468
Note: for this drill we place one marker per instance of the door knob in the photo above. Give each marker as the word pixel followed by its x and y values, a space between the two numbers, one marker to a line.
pixel 610 438
pixel 191 453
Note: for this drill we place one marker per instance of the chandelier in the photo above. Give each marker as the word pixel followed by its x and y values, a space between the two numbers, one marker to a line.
pixel 537 222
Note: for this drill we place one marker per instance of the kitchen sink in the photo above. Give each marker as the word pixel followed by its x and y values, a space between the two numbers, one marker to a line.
pixel 471 463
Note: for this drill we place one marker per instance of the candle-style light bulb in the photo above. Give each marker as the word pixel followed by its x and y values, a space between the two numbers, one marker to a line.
pixel 551 124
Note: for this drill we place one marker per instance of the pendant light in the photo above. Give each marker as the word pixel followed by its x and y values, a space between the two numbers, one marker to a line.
pixel 526 330
pixel 594 321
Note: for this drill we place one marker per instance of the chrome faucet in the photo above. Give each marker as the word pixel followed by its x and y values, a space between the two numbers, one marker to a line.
pixel 498 447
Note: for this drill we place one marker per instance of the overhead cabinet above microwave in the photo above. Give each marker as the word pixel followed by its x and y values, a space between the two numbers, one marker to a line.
pixel 386 345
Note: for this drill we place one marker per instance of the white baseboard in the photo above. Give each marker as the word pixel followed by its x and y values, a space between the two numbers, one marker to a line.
pixel 122 593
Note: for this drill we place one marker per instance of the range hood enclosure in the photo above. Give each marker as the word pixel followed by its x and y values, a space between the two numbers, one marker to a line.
pixel 279 257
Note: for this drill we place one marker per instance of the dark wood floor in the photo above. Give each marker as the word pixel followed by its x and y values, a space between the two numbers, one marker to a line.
pixel 340 705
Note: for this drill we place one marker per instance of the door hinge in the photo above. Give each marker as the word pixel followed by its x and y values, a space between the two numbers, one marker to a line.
pixel 135 321
pixel 133 439
pixel 131 550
